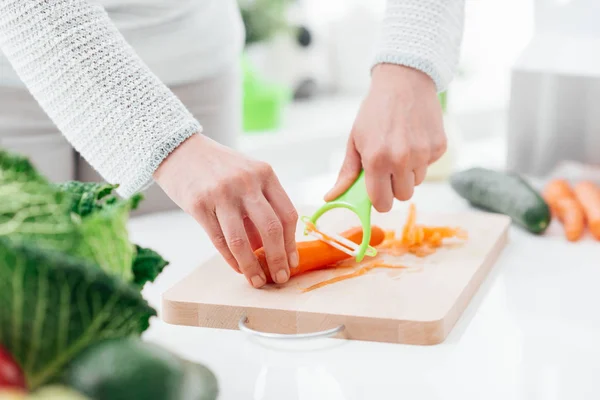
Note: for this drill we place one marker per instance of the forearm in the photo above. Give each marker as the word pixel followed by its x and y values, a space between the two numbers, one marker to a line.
pixel 425 35
pixel 94 87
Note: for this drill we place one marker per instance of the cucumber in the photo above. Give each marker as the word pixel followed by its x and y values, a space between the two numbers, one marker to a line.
pixel 131 369
pixel 503 193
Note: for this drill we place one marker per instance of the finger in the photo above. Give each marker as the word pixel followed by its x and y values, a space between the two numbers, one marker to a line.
pixel 271 231
pixel 379 188
pixel 438 148
pixel 253 234
pixel 209 222
pixel 403 185
pixel 351 167
pixel 287 214
pixel 232 224
pixel 420 174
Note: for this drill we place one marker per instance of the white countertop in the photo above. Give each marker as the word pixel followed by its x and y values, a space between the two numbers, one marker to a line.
pixel 531 332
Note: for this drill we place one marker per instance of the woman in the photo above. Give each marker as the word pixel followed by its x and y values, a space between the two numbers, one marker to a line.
pixel 100 72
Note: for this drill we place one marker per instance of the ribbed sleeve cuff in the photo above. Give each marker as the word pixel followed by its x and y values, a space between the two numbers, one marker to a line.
pixel 136 175
pixel 423 34
pixel 109 105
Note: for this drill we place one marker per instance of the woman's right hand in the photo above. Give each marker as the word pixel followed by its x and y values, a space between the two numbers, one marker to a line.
pixel 239 202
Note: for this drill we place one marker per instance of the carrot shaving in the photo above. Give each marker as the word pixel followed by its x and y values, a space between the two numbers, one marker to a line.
pixel 358 272
pixel 408 231
pixel 389 235
pixel 421 251
pixel 419 240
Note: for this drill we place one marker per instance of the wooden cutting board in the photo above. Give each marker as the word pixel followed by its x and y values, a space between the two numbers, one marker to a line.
pixel 417 307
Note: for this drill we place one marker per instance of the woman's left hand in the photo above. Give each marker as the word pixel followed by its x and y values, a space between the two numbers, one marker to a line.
pixel 397 134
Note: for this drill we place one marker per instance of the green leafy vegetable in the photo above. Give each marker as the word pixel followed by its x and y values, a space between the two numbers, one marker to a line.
pixel 147 265
pixel 84 219
pixel 31 208
pixel 53 306
pixel 87 196
pixel 69 275
pixel 106 240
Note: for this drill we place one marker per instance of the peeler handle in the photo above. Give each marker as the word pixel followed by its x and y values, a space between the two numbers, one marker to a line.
pixel 355 199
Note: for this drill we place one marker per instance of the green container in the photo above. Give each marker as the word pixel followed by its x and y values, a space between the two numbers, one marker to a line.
pixel 444 101
pixel 263 102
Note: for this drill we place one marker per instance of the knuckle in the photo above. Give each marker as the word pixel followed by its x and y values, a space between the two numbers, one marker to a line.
pixel 378 159
pixel 291 217
pixel 198 204
pixel 219 241
pixel 273 228
pixel 250 268
pixel 278 259
pixel 252 196
pixel 217 190
pixel 420 155
pixel 421 149
pixel 264 170
pixel 400 158
pixel 439 145
pixel 236 243
pixel 242 179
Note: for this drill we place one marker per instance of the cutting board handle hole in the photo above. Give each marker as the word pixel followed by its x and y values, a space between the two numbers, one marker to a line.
pixel 242 324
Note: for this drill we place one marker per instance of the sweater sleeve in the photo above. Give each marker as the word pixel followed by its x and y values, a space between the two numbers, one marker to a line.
pixel 425 35
pixel 113 110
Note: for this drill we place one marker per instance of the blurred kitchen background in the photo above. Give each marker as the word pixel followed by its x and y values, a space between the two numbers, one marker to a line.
pixel 527 71
pixel 524 96
pixel 306 76
pixel 307 70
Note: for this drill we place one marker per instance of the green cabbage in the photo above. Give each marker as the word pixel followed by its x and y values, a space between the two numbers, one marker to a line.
pixel 147 265
pixel 53 305
pixel 85 219
pixel 32 209
pixel 86 197
pixel 69 275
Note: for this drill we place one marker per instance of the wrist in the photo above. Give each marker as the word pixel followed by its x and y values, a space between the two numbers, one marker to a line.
pixel 190 144
pixel 397 75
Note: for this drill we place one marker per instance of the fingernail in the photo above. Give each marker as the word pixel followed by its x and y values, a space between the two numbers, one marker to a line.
pixel 294 259
pixel 257 281
pixel 281 276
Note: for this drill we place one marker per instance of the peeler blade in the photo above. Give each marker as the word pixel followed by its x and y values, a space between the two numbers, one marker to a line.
pixel 337 241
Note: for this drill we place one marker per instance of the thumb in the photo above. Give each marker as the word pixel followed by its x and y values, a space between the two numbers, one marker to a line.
pixel 348 173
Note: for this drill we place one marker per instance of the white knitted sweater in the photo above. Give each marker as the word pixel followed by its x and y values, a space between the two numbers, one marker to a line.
pixel 117 113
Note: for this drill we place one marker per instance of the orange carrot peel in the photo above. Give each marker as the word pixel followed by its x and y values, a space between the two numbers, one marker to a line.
pixel 419 240
pixel 361 271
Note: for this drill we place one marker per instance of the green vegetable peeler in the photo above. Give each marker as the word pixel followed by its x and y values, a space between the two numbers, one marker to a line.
pixel 355 199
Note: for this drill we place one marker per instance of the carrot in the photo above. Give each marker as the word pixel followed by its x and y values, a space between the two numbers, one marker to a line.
pixel 588 195
pixel 563 203
pixel 316 254
pixel 554 191
pixel 419 240
pixel 572 217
